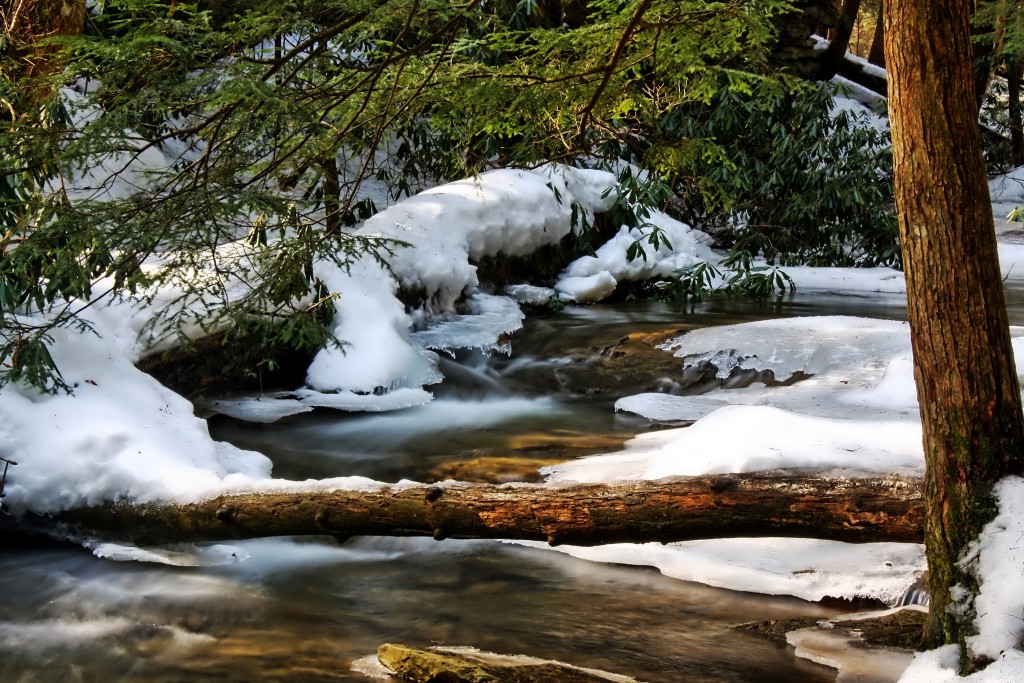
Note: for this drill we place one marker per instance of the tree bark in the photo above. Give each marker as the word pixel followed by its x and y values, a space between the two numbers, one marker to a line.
pixel 332 196
pixel 857 510
pixel 836 51
pixel 982 56
pixel 877 54
pixel 1014 72
pixel 963 361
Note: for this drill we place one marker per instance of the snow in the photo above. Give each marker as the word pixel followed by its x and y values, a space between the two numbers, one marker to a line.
pixel 999 558
pixel 120 435
pixel 942 665
pixel 769 438
pixel 592 278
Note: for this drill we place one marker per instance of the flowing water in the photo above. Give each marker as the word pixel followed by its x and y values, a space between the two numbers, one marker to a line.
pixel 306 609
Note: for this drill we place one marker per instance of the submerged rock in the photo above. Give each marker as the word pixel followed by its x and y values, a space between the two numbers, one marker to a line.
pixel 614 367
pixel 469 665
pixel 492 470
pixel 899 628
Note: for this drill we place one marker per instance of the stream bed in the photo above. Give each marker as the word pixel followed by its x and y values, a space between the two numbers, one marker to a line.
pixel 307 609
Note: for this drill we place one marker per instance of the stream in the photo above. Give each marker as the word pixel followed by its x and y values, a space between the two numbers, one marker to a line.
pixel 306 609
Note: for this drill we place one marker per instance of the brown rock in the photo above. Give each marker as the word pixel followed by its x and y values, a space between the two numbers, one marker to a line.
pixel 468 665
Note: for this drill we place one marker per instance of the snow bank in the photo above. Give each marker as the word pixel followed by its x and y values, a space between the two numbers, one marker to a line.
pixel 754 438
pixel 121 435
pixel 857 412
pixel 942 666
pixel 511 212
pixel 592 278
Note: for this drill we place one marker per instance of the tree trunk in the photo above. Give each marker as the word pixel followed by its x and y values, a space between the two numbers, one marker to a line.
pixel 1014 71
pixel 963 362
pixel 833 56
pixel 332 193
pixel 715 506
pixel 877 54
pixel 983 55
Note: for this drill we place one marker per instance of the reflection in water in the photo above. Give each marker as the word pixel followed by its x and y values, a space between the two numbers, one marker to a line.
pixel 410 443
pixel 304 610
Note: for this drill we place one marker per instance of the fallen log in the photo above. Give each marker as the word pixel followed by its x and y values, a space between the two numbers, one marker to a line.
pixel 716 506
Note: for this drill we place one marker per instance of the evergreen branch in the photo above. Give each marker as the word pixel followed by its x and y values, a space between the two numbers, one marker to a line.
pixel 612 63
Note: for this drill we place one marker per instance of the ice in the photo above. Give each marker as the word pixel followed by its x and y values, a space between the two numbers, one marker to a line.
pixel 184 555
pixel 801 567
pixel 858 348
pixel 486 326
pixel 664 407
pixel 264 409
pixel 397 399
pixel 530 294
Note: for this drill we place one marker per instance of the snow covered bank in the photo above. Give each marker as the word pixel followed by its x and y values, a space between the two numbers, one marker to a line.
pixel 997 561
pixel 120 435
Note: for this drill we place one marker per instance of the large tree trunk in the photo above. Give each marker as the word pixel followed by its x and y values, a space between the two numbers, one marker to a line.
pixel 715 506
pixel 963 361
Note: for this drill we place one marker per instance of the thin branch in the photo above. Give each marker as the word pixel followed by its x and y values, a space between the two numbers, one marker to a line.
pixel 613 61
